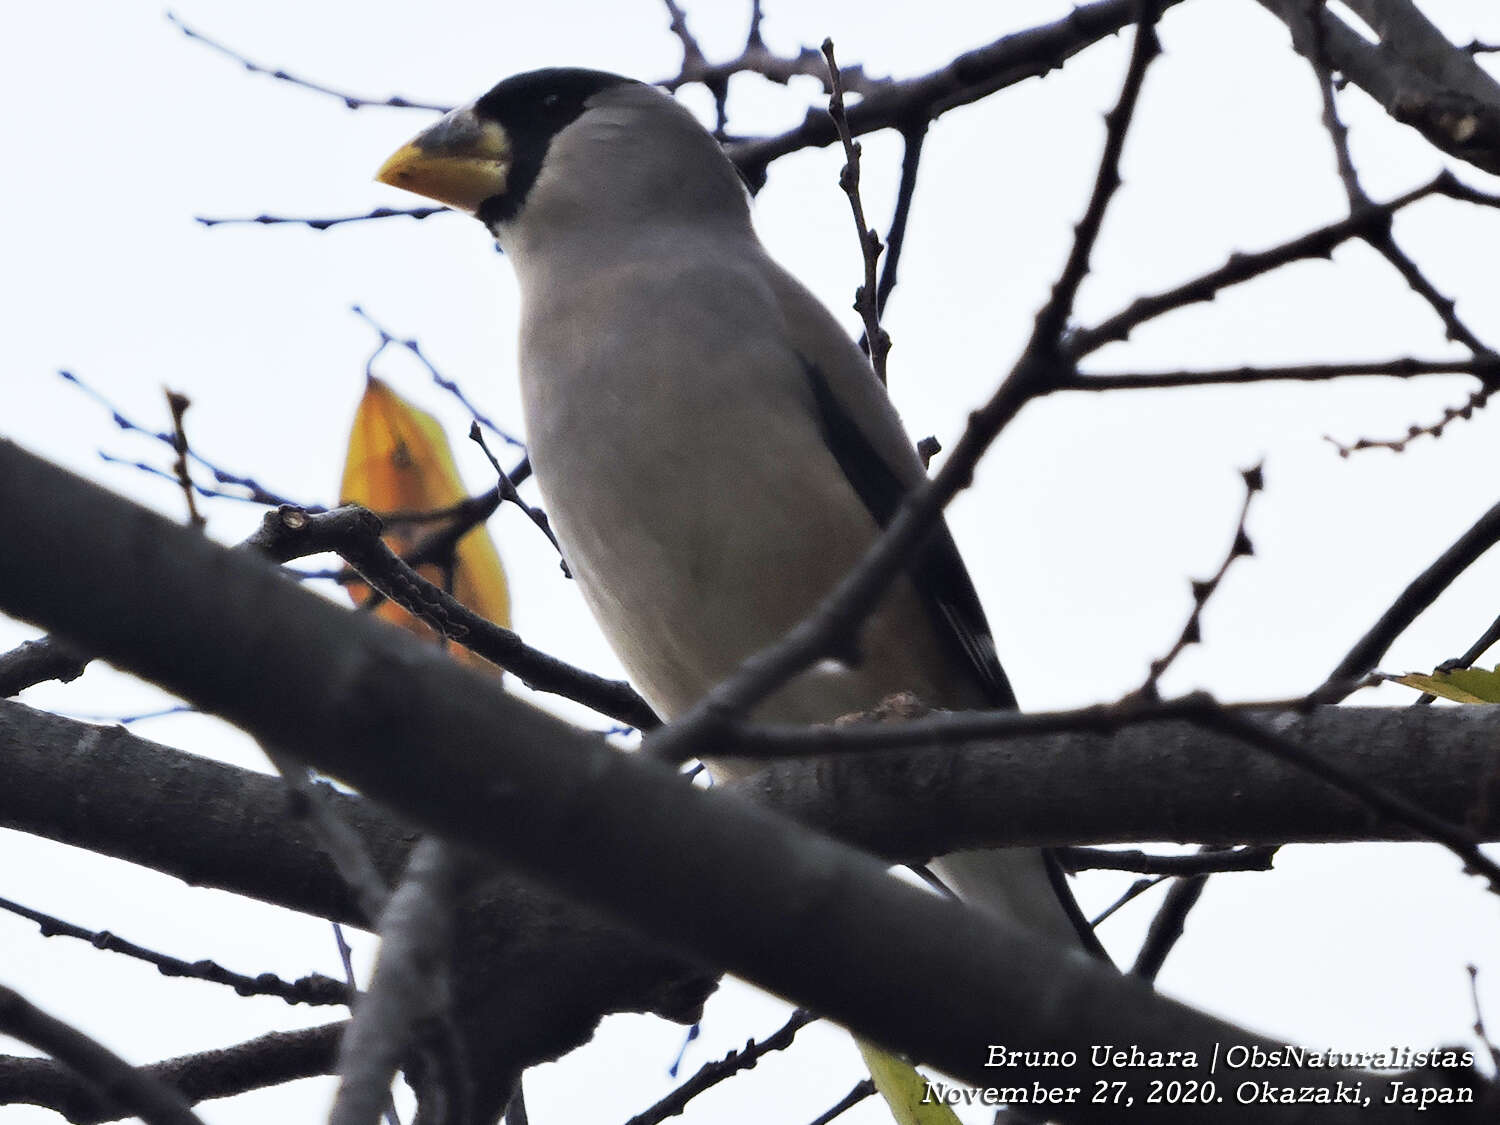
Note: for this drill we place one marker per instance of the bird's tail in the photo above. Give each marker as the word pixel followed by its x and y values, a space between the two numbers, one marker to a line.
pixel 1022 885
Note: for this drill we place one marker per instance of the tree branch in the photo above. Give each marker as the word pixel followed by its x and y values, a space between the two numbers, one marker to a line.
pixel 447 746
pixel 1416 75
pixel 971 76
pixel 268 1060
pixel 111 1078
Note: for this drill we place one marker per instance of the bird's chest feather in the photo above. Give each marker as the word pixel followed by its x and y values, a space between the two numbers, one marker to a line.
pixel 664 454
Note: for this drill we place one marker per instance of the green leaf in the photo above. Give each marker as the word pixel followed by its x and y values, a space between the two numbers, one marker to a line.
pixel 902 1086
pixel 1462 685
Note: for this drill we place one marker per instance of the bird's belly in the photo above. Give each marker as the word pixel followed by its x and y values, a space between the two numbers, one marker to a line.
pixel 690 569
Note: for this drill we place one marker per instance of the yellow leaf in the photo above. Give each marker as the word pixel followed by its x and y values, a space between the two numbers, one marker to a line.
pixel 399 461
pixel 1462 685
pixel 902 1086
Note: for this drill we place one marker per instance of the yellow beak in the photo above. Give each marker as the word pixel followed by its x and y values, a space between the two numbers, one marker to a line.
pixel 461 161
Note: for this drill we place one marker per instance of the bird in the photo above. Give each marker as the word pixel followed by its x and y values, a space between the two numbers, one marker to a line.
pixel 713 449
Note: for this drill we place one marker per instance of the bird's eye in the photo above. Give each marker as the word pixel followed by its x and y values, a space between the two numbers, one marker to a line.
pixel 551 101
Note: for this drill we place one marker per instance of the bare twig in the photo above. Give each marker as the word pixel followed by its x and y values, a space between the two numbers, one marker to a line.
pixel 314 989
pixel 258 494
pixel 711 1074
pixel 115 1080
pixel 1477 400
pixel 1420 593
pixel 354 534
pixel 1484 367
pixel 319 222
pixel 770 741
pixel 412 345
pixel 1479 1028
pixel 862 1090
pixel 1192 632
pixel 132 719
pixel 178 404
pixel 1201 863
pixel 1133 892
pixel 866 296
pixel 1052 321
pixel 1307 33
pixel 507 491
pixel 352 101
pixel 1242 267
pixel 1486 640
pixel 895 239
pixel 1167 927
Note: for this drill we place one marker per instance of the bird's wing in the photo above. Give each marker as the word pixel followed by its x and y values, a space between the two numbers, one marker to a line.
pixel 936 569
pixel 867 440
pixel 866 437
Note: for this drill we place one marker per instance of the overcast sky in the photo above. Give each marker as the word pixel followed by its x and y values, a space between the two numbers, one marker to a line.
pixel 1083 529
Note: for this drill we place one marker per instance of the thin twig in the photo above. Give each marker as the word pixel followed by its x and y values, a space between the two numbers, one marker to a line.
pixel 895 239
pixel 866 296
pixel 314 989
pixel 1420 593
pixel 1192 631
pixel 354 534
pixel 1242 267
pixel 1200 863
pixel 1477 400
pixel 862 1090
pixel 1309 32
pixel 1485 368
pixel 1052 321
pixel 1381 238
pixel 120 1084
pixel 711 1074
pixel 178 404
pixel 352 101
pixel 1133 892
pixel 1486 640
pixel 131 719
pixel 412 345
pixel 507 491
pixel 258 493
pixel 321 222
pixel 1479 1028
pixel 1167 927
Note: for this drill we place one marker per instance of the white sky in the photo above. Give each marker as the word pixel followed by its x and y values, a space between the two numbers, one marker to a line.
pixel 1082 531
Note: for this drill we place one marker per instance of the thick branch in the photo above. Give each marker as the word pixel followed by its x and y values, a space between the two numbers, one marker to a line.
pixel 1416 75
pixel 1156 781
pixel 122 796
pixel 1145 783
pixel 457 755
